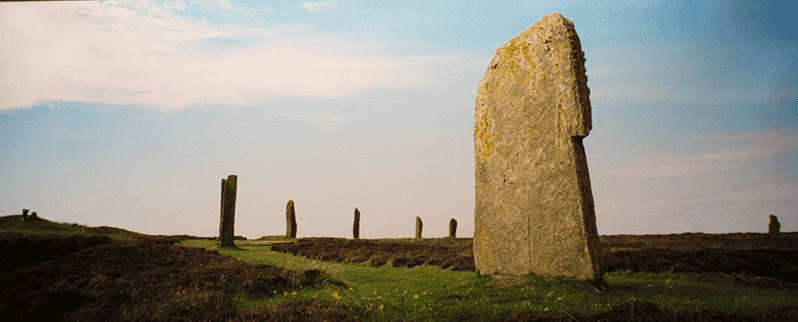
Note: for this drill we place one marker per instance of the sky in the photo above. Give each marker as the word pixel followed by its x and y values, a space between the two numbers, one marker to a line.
pixel 129 114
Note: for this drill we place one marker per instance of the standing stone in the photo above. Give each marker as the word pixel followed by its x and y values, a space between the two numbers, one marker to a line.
pixel 25 214
pixel 534 206
pixel 229 214
pixel 774 227
pixel 290 220
pixel 356 225
pixel 221 211
pixel 453 228
pixel 419 227
pixel 33 216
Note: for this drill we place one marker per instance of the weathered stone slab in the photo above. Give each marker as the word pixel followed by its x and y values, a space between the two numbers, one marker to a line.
pixel 419 227
pixel 221 210
pixel 774 227
pixel 534 206
pixel 229 211
pixel 356 225
pixel 290 220
pixel 453 228
pixel 25 214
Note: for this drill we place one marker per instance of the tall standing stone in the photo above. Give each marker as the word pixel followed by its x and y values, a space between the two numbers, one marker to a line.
pixel 534 206
pixel 229 210
pixel 774 227
pixel 221 210
pixel 25 214
pixel 356 225
pixel 453 228
pixel 290 220
pixel 419 227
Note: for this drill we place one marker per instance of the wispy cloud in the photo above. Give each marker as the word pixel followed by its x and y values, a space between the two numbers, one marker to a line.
pixel 175 190
pixel 716 184
pixel 317 5
pixel 176 5
pixel 144 54
pixel 663 72
pixel 714 153
pixel 323 120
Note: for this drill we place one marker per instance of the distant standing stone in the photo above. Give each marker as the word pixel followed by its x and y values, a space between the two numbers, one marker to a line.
pixel 774 227
pixel 25 214
pixel 228 220
pixel 221 211
pixel 534 206
pixel 453 228
pixel 419 227
pixel 356 225
pixel 290 220
pixel 33 216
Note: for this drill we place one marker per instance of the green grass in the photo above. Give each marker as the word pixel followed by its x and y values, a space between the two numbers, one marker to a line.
pixel 430 293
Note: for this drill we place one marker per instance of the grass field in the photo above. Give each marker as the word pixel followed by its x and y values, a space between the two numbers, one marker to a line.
pixel 432 294
pixel 360 292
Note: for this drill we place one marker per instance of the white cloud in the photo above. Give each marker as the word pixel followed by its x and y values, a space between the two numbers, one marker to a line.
pixel 175 190
pixel 716 153
pixel 176 5
pixel 324 120
pixel 100 52
pixel 317 5
pixel 721 183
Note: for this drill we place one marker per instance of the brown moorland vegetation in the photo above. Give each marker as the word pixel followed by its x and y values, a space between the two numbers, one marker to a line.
pixel 145 278
pixel 747 258
pixel 48 277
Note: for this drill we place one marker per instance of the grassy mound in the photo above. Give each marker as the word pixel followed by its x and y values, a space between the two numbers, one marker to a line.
pixel 55 271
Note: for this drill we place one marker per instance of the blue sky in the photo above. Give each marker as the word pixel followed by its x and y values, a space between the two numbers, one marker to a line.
pixel 130 114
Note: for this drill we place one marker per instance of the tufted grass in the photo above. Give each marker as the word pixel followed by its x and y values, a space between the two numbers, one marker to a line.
pixel 428 293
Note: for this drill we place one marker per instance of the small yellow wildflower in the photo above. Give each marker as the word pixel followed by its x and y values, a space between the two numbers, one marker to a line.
pixel 336 296
pixel 381 306
pixel 415 296
pixel 316 295
pixel 369 299
pixel 559 298
pixel 286 293
pixel 350 288
pixel 293 293
pixel 425 293
pixel 546 310
pixel 379 297
pixel 405 292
